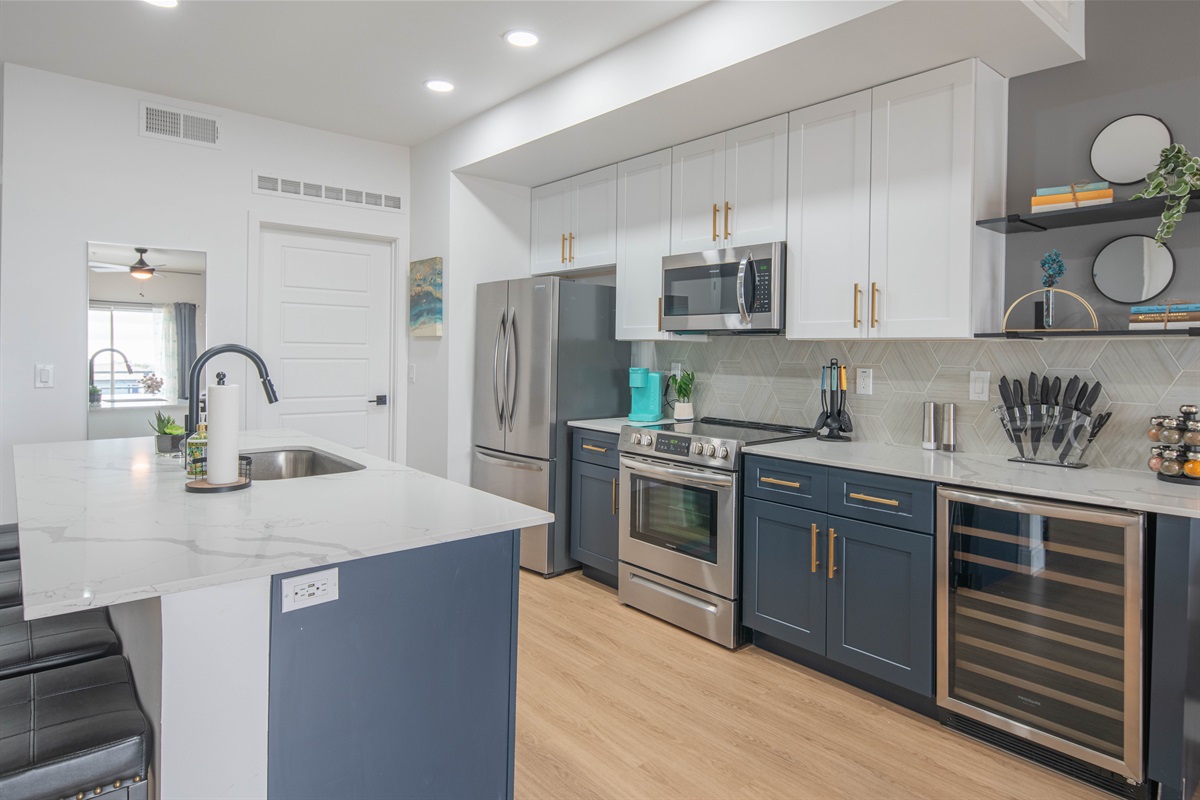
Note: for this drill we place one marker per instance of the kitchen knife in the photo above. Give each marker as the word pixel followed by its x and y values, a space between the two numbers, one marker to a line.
pixel 1035 412
pixel 1097 425
pixel 1080 395
pixel 1085 407
pixel 1006 396
pixel 1066 411
pixel 1019 408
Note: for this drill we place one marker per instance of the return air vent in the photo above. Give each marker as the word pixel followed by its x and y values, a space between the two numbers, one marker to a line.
pixel 272 185
pixel 177 125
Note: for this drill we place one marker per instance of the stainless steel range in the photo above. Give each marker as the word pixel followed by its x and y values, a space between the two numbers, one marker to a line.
pixel 679 520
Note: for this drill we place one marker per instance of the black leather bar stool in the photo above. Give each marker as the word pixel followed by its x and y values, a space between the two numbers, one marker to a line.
pixel 10 547
pixel 74 731
pixel 10 583
pixel 53 642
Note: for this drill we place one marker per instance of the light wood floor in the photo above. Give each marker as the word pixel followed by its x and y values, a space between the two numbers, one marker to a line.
pixel 612 703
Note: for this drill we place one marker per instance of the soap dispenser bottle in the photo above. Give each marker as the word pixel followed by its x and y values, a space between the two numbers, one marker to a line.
pixel 196 461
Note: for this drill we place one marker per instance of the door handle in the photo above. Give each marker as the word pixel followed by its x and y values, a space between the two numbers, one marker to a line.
pixel 495 376
pixel 594 448
pixel 874 304
pixel 715 209
pixel 571 247
pixel 511 397
pixel 832 566
pixel 614 496
pixel 564 249
pixel 380 399
pixel 857 298
pixel 508 462
pixel 741 289
pixel 815 563
pixel 727 210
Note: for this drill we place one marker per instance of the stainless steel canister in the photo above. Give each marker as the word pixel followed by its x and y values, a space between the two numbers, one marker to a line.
pixel 948 440
pixel 929 435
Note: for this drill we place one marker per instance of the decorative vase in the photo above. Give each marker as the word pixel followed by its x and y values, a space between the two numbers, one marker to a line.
pixel 1048 309
pixel 683 412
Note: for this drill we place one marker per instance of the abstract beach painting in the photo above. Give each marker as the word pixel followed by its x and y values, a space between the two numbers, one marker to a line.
pixel 425 297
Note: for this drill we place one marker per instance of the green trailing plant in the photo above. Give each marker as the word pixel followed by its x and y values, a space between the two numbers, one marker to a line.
pixel 683 383
pixel 1177 174
pixel 164 425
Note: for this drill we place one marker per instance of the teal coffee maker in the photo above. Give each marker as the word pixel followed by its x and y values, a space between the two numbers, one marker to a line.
pixel 646 391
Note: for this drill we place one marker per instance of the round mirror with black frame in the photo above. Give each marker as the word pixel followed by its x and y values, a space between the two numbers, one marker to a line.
pixel 1133 269
pixel 1127 148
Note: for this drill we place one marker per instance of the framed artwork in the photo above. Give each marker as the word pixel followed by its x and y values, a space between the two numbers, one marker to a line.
pixel 425 298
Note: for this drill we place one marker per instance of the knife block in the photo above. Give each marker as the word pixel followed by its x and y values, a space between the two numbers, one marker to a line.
pixel 1047 425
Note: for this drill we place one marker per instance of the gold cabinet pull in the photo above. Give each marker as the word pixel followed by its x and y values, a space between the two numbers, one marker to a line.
pixel 597 449
pixel 857 296
pixel 815 563
pixel 564 249
pixel 570 247
pixel 614 496
pixel 832 567
pixel 874 304
pixel 715 209
pixel 727 209
pixel 777 482
pixel 887 501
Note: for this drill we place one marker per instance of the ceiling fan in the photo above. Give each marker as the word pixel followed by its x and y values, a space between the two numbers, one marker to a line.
pixel 139 269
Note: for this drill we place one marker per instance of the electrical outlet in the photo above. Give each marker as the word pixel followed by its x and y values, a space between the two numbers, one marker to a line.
pixel 677 369
pixel 309 589
pixel 862 381
pixel 43 376
pixel 980 385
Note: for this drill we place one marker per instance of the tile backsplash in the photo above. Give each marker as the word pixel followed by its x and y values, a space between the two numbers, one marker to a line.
pixel 772 379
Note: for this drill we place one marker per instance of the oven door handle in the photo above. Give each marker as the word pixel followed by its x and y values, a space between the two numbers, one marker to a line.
pixel 705 478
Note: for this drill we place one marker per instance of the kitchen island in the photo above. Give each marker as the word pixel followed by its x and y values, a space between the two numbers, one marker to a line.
pixel 406 681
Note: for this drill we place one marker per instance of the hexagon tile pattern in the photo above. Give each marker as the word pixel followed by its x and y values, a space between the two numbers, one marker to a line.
pixel 773 379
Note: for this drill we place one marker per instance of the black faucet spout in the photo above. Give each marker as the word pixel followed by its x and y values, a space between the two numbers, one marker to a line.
pixel 197 370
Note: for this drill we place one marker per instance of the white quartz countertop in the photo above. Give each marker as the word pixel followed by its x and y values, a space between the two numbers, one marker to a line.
pixel 612 424
pixel 1115 488
pixel 105 522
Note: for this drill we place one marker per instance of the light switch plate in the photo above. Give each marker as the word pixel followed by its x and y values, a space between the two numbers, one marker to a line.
pixel 412 373
pixel 979 385
pixel 309 589
pixel 43 376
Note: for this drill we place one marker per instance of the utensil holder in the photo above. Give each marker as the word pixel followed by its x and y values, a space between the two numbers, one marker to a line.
pixel 1047 424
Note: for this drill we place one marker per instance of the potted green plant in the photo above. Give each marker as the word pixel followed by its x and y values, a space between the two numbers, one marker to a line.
pixel 683 383
pixel 94 395
pixel 169 435
pixel 1176 176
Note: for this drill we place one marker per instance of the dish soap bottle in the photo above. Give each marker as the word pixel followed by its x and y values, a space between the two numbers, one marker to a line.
pixel 197 452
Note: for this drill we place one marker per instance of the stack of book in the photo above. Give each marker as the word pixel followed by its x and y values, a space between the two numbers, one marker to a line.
pixel 1172 316
pixel 1077 195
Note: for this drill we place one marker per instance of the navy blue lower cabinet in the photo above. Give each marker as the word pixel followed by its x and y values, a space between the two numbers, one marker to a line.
pixel 594 498
pixel 880 603
pixel 783 573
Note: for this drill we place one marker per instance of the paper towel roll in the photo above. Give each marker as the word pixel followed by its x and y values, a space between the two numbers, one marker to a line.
pixel 224 405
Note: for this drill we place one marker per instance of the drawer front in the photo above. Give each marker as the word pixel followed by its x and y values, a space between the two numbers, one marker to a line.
pixel 883 499
pixel 792 483
pixel 596 448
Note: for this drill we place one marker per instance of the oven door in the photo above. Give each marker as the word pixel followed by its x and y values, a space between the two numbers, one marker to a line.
pixel 680 522
pixel 736 290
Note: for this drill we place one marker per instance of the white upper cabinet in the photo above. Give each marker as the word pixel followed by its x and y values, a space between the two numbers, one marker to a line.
pixel 829 213
pixel 730 189
pixel 643 238
pixel 937 162
pixel 573 223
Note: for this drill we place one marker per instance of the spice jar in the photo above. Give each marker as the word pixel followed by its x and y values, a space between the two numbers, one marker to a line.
pixel 1170 466
pixel 1191 433
pixel 1156 459
pixel 1191 467
pixel 1172 431
pixel 1155 429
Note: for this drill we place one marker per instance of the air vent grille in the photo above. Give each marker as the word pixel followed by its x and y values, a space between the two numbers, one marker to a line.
pixel 270 184
pixel 176 125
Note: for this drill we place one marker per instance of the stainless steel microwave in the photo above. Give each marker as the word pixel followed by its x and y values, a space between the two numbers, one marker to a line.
pixel 736 290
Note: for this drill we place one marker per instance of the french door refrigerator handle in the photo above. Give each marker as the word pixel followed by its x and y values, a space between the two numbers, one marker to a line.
pixel 532 466
pixel 511 336
pixel 495 376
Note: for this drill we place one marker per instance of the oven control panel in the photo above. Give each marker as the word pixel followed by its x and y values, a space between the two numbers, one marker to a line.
pixel 678 447
pixel 672 444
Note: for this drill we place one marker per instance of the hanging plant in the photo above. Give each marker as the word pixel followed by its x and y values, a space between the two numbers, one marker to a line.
pixel 1177 174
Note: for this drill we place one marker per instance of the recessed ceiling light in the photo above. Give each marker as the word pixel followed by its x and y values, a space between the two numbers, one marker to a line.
pixel 439 86
pixel 163 3
pixel 521 38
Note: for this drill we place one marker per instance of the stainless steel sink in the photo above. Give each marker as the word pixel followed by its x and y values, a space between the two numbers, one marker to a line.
pixel 296 462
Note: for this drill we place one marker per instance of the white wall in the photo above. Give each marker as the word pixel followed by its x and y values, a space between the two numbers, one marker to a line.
pixel 75 170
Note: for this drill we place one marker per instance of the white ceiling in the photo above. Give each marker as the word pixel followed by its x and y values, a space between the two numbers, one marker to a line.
pixel 347 66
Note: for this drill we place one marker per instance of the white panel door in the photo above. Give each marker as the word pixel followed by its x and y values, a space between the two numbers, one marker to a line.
pixel 643 238
pixel 325 330
pixel 549 220
pixel 593 219
pixel 922 217
pixel 697 194
pixel 756 183
pixel 828 219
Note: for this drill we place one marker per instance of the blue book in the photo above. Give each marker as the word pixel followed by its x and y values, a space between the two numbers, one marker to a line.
pixel 1163 309
pixel 1087 187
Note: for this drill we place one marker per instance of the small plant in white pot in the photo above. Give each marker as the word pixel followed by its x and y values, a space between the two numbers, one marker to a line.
pixel 683 383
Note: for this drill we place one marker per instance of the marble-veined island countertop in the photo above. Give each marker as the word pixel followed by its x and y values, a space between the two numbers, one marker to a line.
pixel 108 521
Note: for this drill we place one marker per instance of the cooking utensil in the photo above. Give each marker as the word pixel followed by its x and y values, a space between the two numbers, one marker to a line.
pixel 1006 395
pixel 833 389
pixel 1022 412
pixel 1066 411
pixel 1035 411
pixel 821 420
pixel 843 414
pixel 1085 407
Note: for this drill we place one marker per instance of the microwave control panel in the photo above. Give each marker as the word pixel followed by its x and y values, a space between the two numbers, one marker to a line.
pixel 762 287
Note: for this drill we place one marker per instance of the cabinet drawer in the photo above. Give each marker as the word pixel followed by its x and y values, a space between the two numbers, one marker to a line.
pixel 595 448
pixel 792 483
pixel 899 502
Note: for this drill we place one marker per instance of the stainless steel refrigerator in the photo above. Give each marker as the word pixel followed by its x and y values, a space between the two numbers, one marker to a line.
pixel 545 354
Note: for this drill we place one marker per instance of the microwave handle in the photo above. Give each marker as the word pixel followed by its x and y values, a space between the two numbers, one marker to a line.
pixel 747 261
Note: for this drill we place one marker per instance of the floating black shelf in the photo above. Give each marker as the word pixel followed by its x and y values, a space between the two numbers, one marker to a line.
pixel 1068 218
pixel 1053 334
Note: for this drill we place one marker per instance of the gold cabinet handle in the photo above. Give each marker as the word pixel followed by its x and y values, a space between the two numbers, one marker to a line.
pixel 564 249
pixel 887 501
pixel 815 563
pixel 597 449
pixel 614 496
pixel 874 304
pixel 715 209
pixel 727 209
pixel 857 297
pixel 832 567
pixel 777 482
pixel 570 247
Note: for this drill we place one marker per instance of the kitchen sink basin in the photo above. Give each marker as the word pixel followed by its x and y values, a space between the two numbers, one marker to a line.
pixel 296 462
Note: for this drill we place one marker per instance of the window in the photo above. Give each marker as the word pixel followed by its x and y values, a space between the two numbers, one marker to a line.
pixel 136 331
